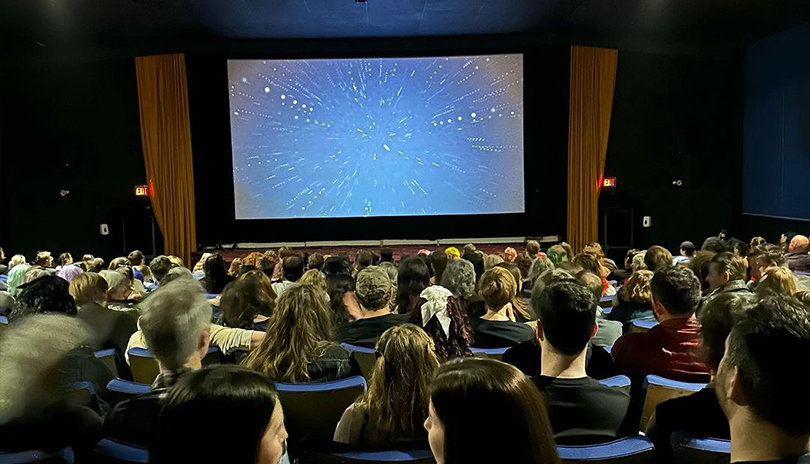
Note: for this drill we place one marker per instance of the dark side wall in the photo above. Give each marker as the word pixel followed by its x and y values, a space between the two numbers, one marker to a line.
pixel 73 126
pixel 677 116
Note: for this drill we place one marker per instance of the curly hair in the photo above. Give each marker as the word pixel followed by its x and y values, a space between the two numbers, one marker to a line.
pixel 459 278
pixel 457 343
pixel 637 289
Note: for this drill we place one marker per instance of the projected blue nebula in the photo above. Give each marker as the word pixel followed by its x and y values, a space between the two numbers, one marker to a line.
pixel 377 137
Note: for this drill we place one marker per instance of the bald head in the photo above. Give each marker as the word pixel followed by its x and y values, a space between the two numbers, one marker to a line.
pixel 799 244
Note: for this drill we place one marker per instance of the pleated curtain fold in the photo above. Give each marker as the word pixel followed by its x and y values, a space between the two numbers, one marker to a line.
pixel 592 82
pixel 166 140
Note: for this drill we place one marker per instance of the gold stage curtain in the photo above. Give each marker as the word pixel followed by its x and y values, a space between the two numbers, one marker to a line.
pixel 593 78
pixel 166 140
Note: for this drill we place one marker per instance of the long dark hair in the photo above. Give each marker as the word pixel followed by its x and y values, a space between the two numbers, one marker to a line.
pixel 250 295
pixel 412 278
pixel 216 274
pixel 457 343
pixel 336 286
pixel 224 395
pixel 439 261
pixel 473 394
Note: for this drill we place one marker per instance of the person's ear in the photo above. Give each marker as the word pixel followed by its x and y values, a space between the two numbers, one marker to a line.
pixel 595 329
pixel 726 276
pixel 204 342
pixel 658 308
pixel 539 331
pixel 734 388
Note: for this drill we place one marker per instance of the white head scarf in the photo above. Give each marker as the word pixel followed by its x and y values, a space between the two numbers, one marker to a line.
pixel 436 306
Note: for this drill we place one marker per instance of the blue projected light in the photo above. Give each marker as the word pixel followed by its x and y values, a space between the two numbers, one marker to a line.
pixel 377 137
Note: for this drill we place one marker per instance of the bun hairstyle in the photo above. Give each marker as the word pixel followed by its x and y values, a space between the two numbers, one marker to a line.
pixel 497 287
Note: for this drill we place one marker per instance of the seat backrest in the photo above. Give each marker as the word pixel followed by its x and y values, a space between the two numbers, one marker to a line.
pixel 618 381
pixel 63 456
pixel 109 451
pixel 641 326
pixel 119 390
pixel 367 457
pixel 3 322
pixel 657 389
pixel 365 357
pixel 108 358
pixel 143 364
pixel 631 450
pixel 690 449
pixel 491 353
pixel 81 393
pixel 314 409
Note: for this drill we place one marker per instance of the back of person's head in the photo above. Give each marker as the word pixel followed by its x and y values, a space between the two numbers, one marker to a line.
pixel 717 317
pixel 637 289
pixel 363 259
pixel 396 402
pixel 739 248
pixel 497 288
pixel 657 257
pixel 65 258
pixel 469 395
pixel 758 241
pixel 33 350
pixel 177 272
pixel 118 262
pixel 386 255
pixel 540 265
pixel 677 289
pixel 567 312
pixel 245 298
pixel 491 261
pixel 637 263
pixel 413 277
pixel 47 294
pixel 452 253
pixel 557 255
pixel 594 248
pixel 515 271
pixel 117 285
pixel 727 263
pixel 524 263
pixel 98 265
pixel 442 316
pixel 768 254
pixel 337 285
pixel 174 320
pixel 285 252
pixel 477 260
pixel 459 278
pixel 16 260
pixel 336 265
pixel 549 277
pixel 254 258
pixel 700 266
pixel 777 280
pixel 315 261
pixel 469 248
pixel 88 287
pixel 135 258
pixel 593 283
pixel 315 278
pixel 302 314
pixel 44 259
pixel 374 288
pixel 687 248
pixel 439 261
pixel 214 267
pixel 767 358
pixel 221 395
pixel 799 244
pixel 591 263
pixel 714 244
pixel 532 248
pixel 293 267
pixel 160 266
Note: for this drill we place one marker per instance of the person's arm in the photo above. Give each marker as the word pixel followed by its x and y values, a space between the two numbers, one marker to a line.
pixel 229 340
pixel 350 428
pixel 256 338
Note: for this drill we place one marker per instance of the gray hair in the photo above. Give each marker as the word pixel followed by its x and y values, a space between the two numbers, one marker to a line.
pixel 32 349
pixel 459 278
pixel 539 265
pixel 638 263
pixel 115 280
pixel 176 273
pixel 172 319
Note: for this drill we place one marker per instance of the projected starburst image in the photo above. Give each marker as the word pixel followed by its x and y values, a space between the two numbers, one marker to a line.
pixel 377 137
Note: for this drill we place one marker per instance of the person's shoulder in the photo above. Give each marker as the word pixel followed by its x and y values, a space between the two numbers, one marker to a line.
pixel 335 351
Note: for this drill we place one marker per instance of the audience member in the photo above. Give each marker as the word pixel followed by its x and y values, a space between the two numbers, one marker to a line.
pixel 340 288
pixel 15 277
pixel 634 300
pixel 727 274
pixel 226 395
pixel 248 302
pixel 520 306
pixel 160 265
pixel 233 270
pixel 591 264
pixel 3 267
pixel 315 261
pixel 779 281
pixel 687 250
pixel 438 260
pixel 33 273
pixel 471 395
pixel 215 274
pixel 758 241
pixel 305 352
pixel 16 260
pixel 362 260
pixel 391 412
pixel 315 278
pixel 69 272
pixel 459 278
pixel 110 329
pixel 532 249
pixel 292 269
pixel 413 277
pixel 386 255
pixel 509 255
pixel 699 265
pixel 539 266
pixel 715 245
pixel 119 292
pixel 657 257
pixel 373 294
pixel 668 348
pixel 452 253
pixel 763 258
pixel 681 414
pixel 48 294
pixel 336 265
pixel 497 328
pixel 64 260
pixel 44 259
pixel 579 408
pixel 442 316
pixel 798 258
pixel 609 331
pixel 763 380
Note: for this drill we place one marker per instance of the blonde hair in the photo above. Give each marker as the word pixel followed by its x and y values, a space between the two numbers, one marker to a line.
pixel 199 266
pixel 638 289
pixel 235 265
pixel 300 331
pixel 315 278
pixel 396 403
pixel 16 260
pixel 88 287
pixel 497 287
pixel 176 261
pixel 777 280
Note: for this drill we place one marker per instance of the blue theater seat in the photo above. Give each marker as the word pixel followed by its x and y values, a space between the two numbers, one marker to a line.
pixel 145 368
pixel 492 353
pixel 63 456
pixel 657 389
pixel 631 450
pixel 365 457
pixel 314 409
pixel 642 325
pixel 690 449
pixel 619 381
pixel 109 451
pixel 119 390
pixel 365 357
pixel 108 358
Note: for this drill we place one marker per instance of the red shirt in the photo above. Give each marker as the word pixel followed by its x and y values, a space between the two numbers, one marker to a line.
pixel 668 349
